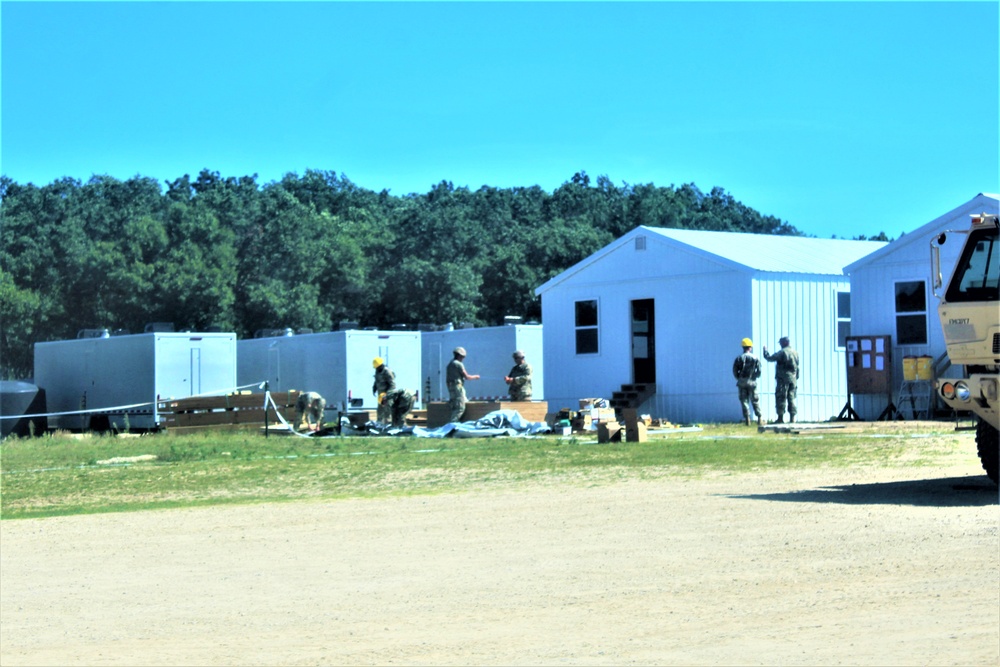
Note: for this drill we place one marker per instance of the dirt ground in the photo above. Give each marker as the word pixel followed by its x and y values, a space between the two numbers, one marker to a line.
pixel 896 566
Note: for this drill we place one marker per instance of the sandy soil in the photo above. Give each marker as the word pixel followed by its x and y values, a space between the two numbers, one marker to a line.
pixel 873 567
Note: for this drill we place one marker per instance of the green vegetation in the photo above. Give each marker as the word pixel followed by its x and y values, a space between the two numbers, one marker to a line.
pixel 307 251
pixel 61 474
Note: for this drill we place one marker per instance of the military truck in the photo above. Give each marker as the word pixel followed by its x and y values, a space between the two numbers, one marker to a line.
pixel 970 318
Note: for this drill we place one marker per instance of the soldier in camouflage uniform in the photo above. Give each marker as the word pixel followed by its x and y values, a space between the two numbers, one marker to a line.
pixel 385 381
pixel 786 375
pixel 398 404
pixel 519 379
pixel 746 370
pixel 455 376
pixel 309 409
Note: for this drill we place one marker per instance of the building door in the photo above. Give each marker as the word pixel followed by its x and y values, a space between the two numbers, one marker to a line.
pixel 643 342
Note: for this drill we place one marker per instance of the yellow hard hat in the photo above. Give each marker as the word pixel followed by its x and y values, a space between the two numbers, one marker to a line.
pixel 377 361
pixel 746 342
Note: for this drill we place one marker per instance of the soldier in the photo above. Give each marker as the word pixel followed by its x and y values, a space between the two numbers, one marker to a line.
pixel 398 404
pixel 385 381
pixel 519 378
pixel 456 376
pixel 309 409
pixel 786 375
pixel 746 370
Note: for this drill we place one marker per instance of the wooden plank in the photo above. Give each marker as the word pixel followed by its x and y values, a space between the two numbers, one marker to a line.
pixel 286 399
pixel 184 419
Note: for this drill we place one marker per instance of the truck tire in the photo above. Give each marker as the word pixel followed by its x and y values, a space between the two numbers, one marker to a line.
pixel 988 444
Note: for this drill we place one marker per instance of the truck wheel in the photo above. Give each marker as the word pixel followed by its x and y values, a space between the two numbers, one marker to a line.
pixel 988 444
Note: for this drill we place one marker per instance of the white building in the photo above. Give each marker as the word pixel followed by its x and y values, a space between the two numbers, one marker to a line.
pixel 489 356
pixel 122 378
pixel 893 295
pixel 668 307
pixel 337 364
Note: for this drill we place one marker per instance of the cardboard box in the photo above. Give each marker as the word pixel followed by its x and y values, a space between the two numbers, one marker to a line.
pixel 603 414
pixel 610 431
pixel 582 423
pixel 636 432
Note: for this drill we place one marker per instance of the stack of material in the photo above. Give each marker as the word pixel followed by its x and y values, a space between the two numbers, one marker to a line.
pixel 235 410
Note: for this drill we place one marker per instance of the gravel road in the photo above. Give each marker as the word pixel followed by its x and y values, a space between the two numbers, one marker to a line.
pixel 887 566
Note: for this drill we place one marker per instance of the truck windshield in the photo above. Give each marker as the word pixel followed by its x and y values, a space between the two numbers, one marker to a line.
pixel 977 276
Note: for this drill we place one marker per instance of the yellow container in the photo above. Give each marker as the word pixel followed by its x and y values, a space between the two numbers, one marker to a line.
pixel 924 368
pixel 909 369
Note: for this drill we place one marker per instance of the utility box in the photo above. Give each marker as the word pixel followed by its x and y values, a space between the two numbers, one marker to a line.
pixel 119 379
pixel 489 356
pixel 336 364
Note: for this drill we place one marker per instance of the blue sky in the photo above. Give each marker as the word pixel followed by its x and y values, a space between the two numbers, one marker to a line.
pixel 839 118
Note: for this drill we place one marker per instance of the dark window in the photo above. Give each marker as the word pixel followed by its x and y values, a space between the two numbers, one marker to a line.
pixel 911 313
pixel 977 277
pixel 586 327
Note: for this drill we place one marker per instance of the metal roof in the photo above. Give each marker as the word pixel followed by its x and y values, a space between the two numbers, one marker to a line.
pixel 774 253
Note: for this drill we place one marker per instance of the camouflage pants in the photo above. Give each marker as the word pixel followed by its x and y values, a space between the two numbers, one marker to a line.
pixel 401 404
pixel 519 394
pixel 784 393
pixel 456 402
pixel 748 398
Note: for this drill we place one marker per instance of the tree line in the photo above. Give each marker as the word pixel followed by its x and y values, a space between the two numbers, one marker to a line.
pixel 307 252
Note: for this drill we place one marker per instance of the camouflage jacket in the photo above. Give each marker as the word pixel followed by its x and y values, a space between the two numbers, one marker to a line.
pixel 385 380
pixel 520 386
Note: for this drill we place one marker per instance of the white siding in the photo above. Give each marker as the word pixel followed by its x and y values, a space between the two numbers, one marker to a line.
pixel 708 317
pixel 803 308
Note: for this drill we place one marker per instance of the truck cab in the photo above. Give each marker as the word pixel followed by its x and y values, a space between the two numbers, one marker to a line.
pixel 969 310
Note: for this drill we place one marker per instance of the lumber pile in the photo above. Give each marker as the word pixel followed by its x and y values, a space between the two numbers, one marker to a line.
pixel 236 410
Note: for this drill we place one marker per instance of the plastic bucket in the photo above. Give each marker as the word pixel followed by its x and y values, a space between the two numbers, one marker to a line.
pixel 909 369
pixel 924 369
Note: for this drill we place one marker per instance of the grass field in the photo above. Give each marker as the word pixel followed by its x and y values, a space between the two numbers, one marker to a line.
pixel 63 474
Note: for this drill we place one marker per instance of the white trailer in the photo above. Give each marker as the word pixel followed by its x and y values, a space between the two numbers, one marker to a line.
pixel 337 364
pixel 489 356
pixel 101 375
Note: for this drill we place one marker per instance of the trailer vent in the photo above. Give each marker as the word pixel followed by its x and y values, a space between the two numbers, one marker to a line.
pixel 93 333
pixel 273 333
pixel 996 343
pixel 640 242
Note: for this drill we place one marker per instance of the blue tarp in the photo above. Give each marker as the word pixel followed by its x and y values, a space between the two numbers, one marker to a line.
pixel 498 422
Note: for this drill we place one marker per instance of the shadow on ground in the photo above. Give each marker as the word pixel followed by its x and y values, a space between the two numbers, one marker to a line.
pixel 976 491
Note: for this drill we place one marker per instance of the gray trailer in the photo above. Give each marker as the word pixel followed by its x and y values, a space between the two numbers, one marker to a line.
pixel 116 381
pixel 336 364
pixel 489 356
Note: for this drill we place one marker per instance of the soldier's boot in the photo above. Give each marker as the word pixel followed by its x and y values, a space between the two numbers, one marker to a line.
pixel 747 420
pixel 761 421
pixel 780 419
pixel 791 419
